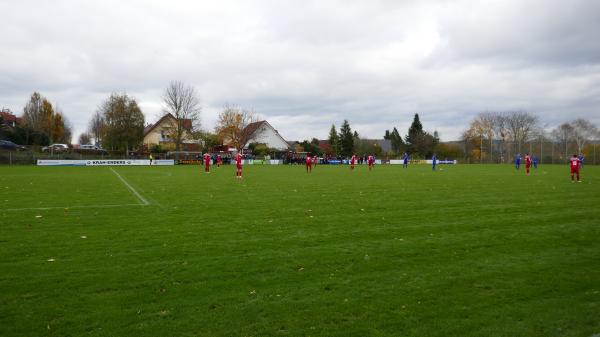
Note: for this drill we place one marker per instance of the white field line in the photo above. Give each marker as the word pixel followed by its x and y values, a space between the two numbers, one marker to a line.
pixel 69 207
pixel 133 191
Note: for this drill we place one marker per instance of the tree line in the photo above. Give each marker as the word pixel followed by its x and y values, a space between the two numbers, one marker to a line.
pixel 345 142
pixel 118 125
pixel 42 123
pixel 499 136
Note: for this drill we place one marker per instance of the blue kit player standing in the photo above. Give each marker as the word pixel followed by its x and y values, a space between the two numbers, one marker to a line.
pixel 433 162
pixel 581 158
pixel 535 162
pixel 518 161
pixel 405 158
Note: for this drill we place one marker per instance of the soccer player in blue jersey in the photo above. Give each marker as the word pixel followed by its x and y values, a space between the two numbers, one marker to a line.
pixel 405 158
pixel 433 162
pixel 518 161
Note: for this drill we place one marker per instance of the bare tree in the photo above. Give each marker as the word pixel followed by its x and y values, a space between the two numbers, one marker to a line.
pixel 68 130
pixel 32 113
pixel 85 138
pixel 97 127
pixel 231 124
pixel 486 123
pixel 583 131
pixel 563 134
pixel 467 144
pixel 183 103
pixel 520 125
pixel 476 134
pixel 499 125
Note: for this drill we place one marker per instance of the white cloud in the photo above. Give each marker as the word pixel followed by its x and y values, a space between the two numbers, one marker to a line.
pixel 305 65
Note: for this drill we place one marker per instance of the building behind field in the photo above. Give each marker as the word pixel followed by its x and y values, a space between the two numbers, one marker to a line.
pixel 160 132
pixel 263 133
pixel 8 119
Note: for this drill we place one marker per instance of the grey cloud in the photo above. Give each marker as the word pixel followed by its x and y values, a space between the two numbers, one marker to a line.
pixel 304 65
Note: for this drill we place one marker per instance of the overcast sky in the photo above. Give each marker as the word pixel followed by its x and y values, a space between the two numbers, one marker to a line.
pixel 304 65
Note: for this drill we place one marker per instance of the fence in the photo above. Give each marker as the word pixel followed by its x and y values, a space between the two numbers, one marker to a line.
pixel 30 158
pixel 546 151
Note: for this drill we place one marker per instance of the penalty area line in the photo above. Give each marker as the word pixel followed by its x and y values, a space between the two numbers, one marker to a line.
pixel 133 191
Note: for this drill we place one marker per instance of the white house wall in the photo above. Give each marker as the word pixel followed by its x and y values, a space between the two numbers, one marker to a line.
pixel 268 136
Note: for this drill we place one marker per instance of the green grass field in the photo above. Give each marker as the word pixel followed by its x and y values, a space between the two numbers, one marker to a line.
pixel 467 251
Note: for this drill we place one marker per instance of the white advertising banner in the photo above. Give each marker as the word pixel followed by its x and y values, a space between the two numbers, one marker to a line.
pixel 429 161
pixel 164 162
pixel 43 162
pixel 117 162
pixel 105 162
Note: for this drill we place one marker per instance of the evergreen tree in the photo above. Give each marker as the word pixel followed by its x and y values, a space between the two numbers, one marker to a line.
pixel 396 140
pixel 346 140
pixel 414 132
pixel 415 136
pixel 419 142
pixel 312 147
pixel 334 140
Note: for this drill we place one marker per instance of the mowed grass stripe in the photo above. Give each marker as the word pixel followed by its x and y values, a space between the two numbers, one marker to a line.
pixel 470 251
pixel 67 207
pixel 39 188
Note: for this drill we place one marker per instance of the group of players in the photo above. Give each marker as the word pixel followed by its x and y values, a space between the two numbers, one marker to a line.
pixel 575 163
pixel 219 162
pixel 311 161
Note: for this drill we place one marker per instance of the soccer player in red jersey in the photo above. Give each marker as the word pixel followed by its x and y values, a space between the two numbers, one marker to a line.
pixel 238 165
pixel 527 163
pixel 352 161
pixel 219 160
pixel 207 163
pixel 575 164
pixel 308 163
pixel 314 160
pixel 370 161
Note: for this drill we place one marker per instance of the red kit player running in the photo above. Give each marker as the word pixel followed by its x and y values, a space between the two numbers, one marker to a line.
pixel 219 160
pixel 206 163
pixel 371 162
pixel 527 163
pixel 314 160
pixel 308 163
pixel 575 164
pixel 238 165
pixel 352 161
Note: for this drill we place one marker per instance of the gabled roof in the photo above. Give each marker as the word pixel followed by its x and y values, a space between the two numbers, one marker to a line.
pixel 187 123
pixel 251 129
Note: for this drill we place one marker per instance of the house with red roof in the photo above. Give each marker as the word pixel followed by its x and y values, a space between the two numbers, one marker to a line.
pixel 8 119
